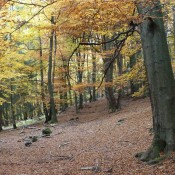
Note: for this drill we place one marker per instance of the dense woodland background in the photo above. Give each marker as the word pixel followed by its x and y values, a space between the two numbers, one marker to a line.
pixel 57 54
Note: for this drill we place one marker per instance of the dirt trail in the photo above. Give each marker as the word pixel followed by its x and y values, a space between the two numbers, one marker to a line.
pixel 92 142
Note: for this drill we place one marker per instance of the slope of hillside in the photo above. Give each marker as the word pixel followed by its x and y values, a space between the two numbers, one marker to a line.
pixel 91 142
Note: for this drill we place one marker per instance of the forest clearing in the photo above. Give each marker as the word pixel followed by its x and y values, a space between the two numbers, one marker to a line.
pixel 96 143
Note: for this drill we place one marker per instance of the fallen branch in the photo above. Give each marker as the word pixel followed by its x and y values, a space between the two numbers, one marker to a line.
pixel 64 157
pixel 31 127
pixel 95 168
pixel 92 168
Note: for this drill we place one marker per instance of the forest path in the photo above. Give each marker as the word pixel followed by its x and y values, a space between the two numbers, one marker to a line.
pixel 88 143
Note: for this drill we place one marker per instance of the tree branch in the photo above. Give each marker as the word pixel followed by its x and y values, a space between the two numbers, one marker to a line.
pixel 119 44
pixel 31 17
pixel 25 3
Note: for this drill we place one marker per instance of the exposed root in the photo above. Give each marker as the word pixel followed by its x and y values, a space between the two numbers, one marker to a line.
pixel 157 160
pixel 152 155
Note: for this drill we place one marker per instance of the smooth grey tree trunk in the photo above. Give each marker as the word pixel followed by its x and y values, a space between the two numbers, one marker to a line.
pixel 161 80
pixel 174 28
pixel 109 90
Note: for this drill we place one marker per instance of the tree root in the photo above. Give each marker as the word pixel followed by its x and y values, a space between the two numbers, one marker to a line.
pixel 152 155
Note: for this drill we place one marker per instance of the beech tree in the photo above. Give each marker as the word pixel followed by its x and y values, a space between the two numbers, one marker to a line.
pixel 109 90
pixel 160 78
pixel 174 27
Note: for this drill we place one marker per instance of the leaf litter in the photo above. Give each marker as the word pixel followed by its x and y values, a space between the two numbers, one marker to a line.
pixel 96 143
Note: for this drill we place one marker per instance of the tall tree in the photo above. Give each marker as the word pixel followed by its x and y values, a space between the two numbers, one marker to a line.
pixel 174 27
pixel 50 82
pixel 160 78
pixel 109 90
pixel 42 82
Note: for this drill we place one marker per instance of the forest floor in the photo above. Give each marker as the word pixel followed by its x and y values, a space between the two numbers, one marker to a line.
pixel 91 142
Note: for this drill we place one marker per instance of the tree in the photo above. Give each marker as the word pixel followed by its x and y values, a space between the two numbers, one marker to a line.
pixel 160 78
pixel 42 82
pixel 50 83
pixel 174 28
pixel 109 89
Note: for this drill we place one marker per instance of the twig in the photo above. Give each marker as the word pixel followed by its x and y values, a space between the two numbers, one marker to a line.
pixel 24 3
pixel 60 157
pixel 22 131
pixel 64 157
pixel 92 168
pixel 31 127
pixel 32 17
pixel 95 168
pixel 63 144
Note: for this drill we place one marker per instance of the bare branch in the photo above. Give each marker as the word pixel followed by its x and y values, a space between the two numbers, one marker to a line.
pixel 32 17
pixel 25 3
pixel 119 44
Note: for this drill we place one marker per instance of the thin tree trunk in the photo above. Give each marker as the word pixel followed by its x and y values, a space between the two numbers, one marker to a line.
pixel 133 60
pixel 76 102
pixel 109 91
pixel 80 61
pixel 69 86
pixel 12 108
pixel 5 112
pixel 88 79
pixel 48 118
pixel 174 28
pixel 1 120
pixel 160 78
pixel 93 77
pixel 65 104
pixel 50 83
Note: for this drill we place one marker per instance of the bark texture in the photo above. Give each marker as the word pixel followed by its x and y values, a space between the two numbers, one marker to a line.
pixel 112 102
pixel 161 80
pixel 50 83
pixel 174 26
pixel 47 117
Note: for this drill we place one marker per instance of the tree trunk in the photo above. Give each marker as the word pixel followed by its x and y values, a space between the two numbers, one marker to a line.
pixel 50 83
pixel 47 117
pixel 69 87
pixel 5 113
pixel 94 77
pixel 76 102
pixel 65 95
pixel 174 29
pixel 161 80
pixel 80 62
pixel 133 60
pixel 109 91
pixel 13 117
pixel 1 120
